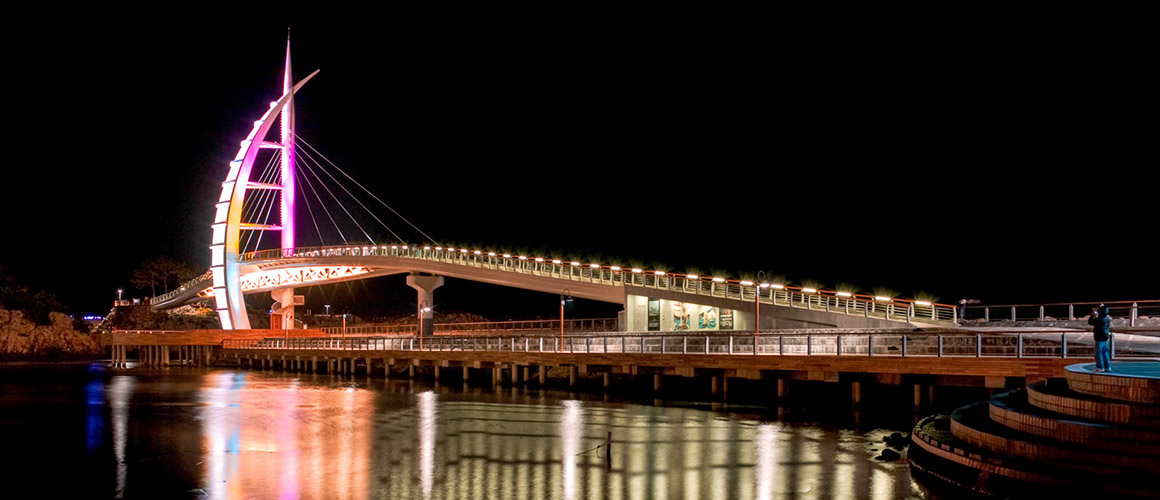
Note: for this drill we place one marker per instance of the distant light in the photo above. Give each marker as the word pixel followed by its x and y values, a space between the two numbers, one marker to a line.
pixel 426 248
pixel 594 266
pixel 922 303
pixel 764 285
pixel 491 254
pixel 439 248
pixel 615 268
pixel 575 264
pixel 692 276
pixel 719 280
pixel 507 255
pixel 637 270
pixel 462 250
pixel 844 294
pixel 449 249
pixel 746 283
pixel 539 259
pixel 882 299
pixel 810 290
pixel 394 247
pixel 477 252
pixel 557 261
pixel 779 287
pixel 523 257
pixel 659 273
pixel 404 247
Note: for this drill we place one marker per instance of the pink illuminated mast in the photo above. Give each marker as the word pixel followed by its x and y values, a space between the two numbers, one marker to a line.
pixel 288 157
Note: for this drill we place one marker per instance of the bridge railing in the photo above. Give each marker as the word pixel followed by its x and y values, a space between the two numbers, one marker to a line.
pixel 539 325
pixel 903 310
pixel 1049 344
pixel 1129 311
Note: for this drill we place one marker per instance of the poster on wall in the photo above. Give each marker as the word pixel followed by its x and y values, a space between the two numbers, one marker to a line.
pixel 654 315
pixel 694 317
pixel 726 319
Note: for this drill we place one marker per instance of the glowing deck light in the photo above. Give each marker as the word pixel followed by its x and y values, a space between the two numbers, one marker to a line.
pixel 439 248
pixel 539 259
pixel 426 248
pixel 449 249
pixel 575 264
pixel 507 255
pixel 523 257
pixel 615 268
pixel 810 290
pixel 844 294
pixel 491 254
pixel 746 283
pixel 462 250
pixel 637 270
pixel 922 303
pixel 404 247
pixel 764 285
pixel 659 273
pixel 692 276
pixel 557 261
pixel 719 280
pixel 393 247
pixel 594 266
pixel 882 299
pixel 477 252
pixel 778 287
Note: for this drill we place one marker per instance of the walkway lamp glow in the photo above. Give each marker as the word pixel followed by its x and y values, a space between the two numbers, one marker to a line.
pixel 809 290
pixel 557 261
pixel 844 294
pixel 775 286
pixel 719 280
pixel 659 273
pixel 119 292
pixel 637 270
pixel 575 264
pixel 882 299
pixel 615 268
pixel 423 308
pixel 692 276
pixel 594 266
pixel 327 309
pixel 922 303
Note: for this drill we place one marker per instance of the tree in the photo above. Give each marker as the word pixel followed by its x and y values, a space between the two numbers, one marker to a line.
pixel 161 272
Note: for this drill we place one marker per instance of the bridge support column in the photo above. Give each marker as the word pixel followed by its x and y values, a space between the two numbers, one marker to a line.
pixel 543 375
pixel 411 370
pixel 369 364
pixel 465 375
pixel 856 394
pixel 426 286
pixel 724 387
pixel 714 385
pixel 917 396
pixel 436 372
pixel 782 389
pixel 387 368
pixel 572 376
pixel 656 382
pixel 515 375
pixel 526 373
pixel 607 381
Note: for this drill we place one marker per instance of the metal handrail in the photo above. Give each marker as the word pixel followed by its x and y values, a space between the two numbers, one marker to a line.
pixel 206 276
pixel 902 310
pixel 1129 311
pixel 537 325
pixel 1044 344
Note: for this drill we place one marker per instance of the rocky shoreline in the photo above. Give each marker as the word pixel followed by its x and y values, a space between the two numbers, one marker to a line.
pixel 22 339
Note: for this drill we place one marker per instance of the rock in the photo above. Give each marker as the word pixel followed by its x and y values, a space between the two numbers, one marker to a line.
pixel 896 440
pixel 888 455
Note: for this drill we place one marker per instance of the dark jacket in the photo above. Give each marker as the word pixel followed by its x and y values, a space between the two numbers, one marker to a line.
pixel 1101 324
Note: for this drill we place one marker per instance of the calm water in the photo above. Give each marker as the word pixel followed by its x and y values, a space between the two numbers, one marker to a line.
pixel 90 432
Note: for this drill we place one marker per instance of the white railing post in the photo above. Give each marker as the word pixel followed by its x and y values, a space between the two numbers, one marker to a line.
pixel 940 345
pixel 838 345
pixel 730 344
pixel 1019 346
pixel 978 345
pixel 1063 342
pixel 1135 312
pixel 904 345
pixel 870 344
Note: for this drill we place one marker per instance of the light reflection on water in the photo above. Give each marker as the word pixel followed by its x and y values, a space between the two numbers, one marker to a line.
pixel 236 434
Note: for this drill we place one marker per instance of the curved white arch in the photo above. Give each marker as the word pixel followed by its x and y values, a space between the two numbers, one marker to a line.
pixel 230 305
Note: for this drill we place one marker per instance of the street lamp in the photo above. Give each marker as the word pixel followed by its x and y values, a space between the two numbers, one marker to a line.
pixel 565 297
pixel 423 308
pixel 328 309
pixel 757 303
pixel 119 292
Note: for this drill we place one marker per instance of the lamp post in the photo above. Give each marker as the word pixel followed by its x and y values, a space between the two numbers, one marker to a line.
pixel 423 309
pixel 757 302
pixel 119 292
pixel 565 297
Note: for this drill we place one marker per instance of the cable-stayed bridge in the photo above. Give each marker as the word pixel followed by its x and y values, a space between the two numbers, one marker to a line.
pixel 256 201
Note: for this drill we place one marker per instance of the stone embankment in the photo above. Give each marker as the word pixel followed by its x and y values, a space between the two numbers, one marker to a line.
pixel 23 339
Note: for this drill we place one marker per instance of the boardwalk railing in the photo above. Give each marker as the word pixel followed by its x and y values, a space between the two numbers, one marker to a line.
pixel 998 345
pixel 1130 311
pixel 902 310
pixel 540 325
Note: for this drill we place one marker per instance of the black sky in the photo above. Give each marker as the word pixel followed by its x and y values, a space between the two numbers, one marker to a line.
pixel 1002 165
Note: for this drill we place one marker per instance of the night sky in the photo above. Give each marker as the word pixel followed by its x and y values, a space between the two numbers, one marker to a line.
pixel 967 167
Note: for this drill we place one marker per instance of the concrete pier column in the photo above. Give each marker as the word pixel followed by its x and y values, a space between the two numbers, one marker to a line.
pixel 284 367
pixel 314 364
pixel 436 372
pixel 495 376
pixel 387 368
pixel 714 385
pixel 369 364
pixel 572 376
pixel 165 356
pixel 411 370
pixel 515 375
pixel 543 375
pixel 426 286
pixel 725 387
pixel 656 382
pixel 856 393
pixel 917 396
pixel 607 381
pixel 782 388
pixel 526 373
pixel 930 395
pixel 465 375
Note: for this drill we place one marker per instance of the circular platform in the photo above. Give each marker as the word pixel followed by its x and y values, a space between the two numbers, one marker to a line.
pixel 1135 381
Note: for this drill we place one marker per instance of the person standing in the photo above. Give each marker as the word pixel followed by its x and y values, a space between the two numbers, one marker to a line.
pixel 1101 323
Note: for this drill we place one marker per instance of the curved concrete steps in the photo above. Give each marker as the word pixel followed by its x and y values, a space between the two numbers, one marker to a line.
pixel 1012 410
pixel 1055 396
pixel 972 425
